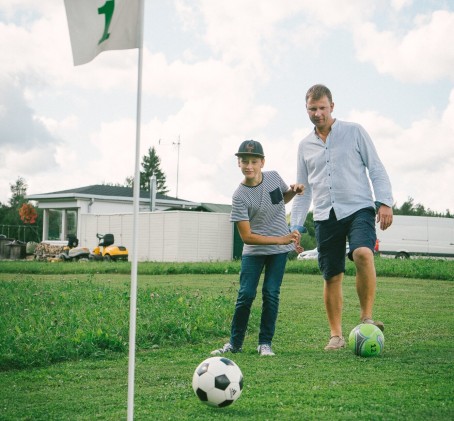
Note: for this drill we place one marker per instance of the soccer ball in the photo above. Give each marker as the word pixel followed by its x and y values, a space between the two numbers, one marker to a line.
pixel 366 340
pixel 217 381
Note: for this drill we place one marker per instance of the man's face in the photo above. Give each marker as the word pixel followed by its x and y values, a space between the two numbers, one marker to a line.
pixel 251 166
pixel 319 111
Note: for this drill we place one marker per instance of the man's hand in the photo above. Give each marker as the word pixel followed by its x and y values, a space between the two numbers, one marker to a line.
pixel 385 216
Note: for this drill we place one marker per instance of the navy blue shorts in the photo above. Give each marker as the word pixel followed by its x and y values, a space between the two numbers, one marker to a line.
pixel 332 235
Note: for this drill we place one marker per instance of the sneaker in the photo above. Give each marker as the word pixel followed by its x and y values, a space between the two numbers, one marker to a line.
pixel 335 342
pixel 265 350
pixel 377 323
pixel 228 347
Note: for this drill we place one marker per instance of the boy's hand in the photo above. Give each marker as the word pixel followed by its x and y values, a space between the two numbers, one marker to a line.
pixel 297 188
pixel 292 237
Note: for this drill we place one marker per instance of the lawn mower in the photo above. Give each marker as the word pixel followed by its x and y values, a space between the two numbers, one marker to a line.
pixel 71 252
pixel 106 250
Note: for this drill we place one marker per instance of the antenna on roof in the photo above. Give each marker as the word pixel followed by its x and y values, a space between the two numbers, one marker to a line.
pixel 178 160
pixel 177 143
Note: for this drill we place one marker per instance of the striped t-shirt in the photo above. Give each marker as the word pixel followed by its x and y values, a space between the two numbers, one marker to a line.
pixel 263 206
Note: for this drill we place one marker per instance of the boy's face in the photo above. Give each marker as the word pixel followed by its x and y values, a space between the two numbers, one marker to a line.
pixel 251 167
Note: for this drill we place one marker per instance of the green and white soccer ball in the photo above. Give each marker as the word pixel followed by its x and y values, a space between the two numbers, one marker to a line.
pixel 366 340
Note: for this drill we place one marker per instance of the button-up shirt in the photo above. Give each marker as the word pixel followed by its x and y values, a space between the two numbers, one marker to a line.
pixel 339 174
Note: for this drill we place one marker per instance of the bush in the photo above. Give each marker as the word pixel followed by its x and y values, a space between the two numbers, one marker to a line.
pixel 43 323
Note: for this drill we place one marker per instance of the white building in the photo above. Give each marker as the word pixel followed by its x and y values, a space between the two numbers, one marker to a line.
pixel 168 233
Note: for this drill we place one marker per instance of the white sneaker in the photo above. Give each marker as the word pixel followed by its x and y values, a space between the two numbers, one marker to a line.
pixel 228 347
pixel 265 350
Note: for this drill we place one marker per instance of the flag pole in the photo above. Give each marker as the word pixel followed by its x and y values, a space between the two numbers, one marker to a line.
pixel 136 199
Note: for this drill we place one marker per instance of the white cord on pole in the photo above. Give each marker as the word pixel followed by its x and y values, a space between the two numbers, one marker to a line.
pixel 136 200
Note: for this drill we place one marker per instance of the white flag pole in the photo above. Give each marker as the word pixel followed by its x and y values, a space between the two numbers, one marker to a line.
pixel 136 199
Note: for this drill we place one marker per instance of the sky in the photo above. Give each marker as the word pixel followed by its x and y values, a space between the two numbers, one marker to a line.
pixel 216 73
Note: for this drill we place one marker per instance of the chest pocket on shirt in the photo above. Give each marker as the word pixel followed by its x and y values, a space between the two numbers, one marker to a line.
pixel 276 196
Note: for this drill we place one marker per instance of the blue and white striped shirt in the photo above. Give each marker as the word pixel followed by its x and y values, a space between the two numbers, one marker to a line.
pixel 338 174
pixel 263 206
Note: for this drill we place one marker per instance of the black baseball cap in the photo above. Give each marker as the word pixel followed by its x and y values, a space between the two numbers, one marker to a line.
pixel 251 147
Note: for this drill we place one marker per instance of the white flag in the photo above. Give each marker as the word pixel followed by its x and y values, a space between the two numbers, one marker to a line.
pixel 99 25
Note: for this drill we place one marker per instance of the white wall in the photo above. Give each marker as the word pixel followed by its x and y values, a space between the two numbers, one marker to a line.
pixel 173 236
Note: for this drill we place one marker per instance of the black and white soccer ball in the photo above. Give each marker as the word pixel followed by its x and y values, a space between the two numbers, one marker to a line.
pixel 217 381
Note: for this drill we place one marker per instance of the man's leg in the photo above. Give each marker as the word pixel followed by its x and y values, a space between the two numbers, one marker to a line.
pixel 362 239
pixel 330 236
pixel 365 280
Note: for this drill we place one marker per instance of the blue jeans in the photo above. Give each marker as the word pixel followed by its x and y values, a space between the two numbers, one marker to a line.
pixel 251 269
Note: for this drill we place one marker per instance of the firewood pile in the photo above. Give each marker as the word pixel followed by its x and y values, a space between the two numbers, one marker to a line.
pixel 45 251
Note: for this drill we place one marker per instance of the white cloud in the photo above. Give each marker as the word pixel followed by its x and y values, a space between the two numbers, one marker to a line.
pixel 253 33
pixel 59 127
pixel 418 159
pixel 30 162
pixel 398 5
pixel 19 128
pixel 421 55
pixel 217 90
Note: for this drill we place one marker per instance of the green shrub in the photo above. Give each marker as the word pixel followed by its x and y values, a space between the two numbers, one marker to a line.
pixel 43 322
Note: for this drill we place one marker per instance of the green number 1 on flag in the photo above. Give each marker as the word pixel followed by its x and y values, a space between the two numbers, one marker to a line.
pixel 106 10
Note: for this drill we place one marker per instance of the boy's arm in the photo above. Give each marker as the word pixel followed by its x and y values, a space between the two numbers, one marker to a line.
pixel 248 237
pixel 293 191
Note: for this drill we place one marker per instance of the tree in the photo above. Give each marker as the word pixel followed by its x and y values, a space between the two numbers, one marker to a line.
pixel 18 190
pixel 129 181
pixel 10 214
pixel 151 166
pixel 28 213
pixel 410 208
pixel 406 208
pixel 19 218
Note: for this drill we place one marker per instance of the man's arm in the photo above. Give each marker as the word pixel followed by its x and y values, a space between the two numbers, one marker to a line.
pixel 377 173
pixel 301 203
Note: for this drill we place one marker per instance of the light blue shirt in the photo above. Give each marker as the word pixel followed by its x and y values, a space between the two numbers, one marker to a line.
pixel 339 174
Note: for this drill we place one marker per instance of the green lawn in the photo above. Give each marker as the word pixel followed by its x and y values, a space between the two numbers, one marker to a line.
pixel 413 378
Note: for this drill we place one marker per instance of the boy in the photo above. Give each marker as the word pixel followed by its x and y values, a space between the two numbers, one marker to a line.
pixel 258 209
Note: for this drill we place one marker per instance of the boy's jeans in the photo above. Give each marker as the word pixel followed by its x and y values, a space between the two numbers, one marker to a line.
pixel 251 269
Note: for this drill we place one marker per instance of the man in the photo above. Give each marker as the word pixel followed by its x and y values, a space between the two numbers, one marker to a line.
pixel 258 209
pixel 332 164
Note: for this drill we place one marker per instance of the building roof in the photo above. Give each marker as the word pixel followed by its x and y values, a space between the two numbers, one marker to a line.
pixel 106 192
pixel 101 190
pixel 215 207
pixel 98 190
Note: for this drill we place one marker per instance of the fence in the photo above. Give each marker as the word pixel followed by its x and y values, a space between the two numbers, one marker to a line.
pixel 171 236
pixel 23 233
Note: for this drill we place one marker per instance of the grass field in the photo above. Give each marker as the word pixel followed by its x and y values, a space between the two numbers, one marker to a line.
pixel 63 350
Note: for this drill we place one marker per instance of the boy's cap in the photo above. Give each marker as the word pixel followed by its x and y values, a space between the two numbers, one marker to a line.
pixel 251 147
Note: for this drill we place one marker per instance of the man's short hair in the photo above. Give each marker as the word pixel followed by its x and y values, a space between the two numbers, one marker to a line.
pixel 317 92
